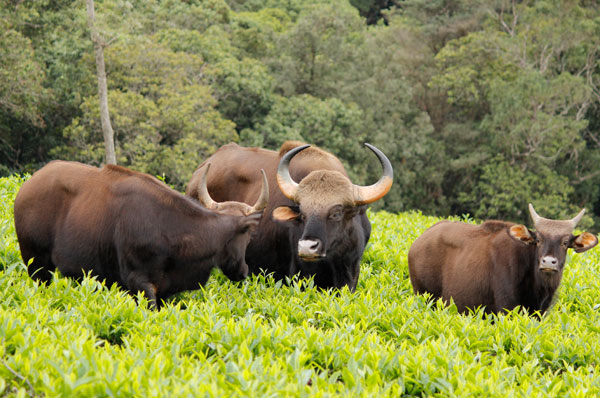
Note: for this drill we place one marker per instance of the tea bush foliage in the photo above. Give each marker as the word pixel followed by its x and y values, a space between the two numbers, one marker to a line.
pixel 263 338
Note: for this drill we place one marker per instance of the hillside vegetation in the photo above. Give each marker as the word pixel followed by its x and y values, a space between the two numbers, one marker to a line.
pixel 265 339
pixel 481 106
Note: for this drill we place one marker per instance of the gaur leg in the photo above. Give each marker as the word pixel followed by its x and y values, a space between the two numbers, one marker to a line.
pixel 69 265
pixel 39 267
pixel 138 282
pixel 505 296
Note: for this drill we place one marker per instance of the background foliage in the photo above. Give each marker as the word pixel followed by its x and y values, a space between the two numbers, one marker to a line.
pixel 268 339
pixel 482 106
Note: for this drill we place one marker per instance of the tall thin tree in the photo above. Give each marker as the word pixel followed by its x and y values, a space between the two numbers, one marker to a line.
pixel 99 45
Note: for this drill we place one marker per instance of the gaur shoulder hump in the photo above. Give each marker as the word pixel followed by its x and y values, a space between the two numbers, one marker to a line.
pixel 113 168
pixel 232 147
pixel 493 226
pixel 315 154
pixel 288 146
pixel 120 172
pixel 228 147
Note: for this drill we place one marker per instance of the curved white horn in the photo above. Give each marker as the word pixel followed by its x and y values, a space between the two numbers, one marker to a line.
pixel 577 218
pixel 263 199
pixel 203 195
pixel 372 193
pixel 534 216
pixel 288 186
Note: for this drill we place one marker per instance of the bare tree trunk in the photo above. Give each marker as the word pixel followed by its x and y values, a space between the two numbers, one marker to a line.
pixel 107 130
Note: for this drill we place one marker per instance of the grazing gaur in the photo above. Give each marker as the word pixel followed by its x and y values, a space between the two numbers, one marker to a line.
pixel 497 264
pixel 128 228
pixel 314 227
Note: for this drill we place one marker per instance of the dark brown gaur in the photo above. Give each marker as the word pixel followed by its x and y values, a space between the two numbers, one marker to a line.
pixel 497 264
pixel 316 227
pixel 127 228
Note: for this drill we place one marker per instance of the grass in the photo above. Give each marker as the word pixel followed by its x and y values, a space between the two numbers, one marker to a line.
pixel 262 338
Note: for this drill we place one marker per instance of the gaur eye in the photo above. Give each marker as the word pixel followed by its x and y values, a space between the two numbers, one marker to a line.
pixel 336 215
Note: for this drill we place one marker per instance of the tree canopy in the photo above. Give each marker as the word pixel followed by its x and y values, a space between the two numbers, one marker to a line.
pixel 482 107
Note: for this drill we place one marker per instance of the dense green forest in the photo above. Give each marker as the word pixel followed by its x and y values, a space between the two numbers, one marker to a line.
pixel 482 106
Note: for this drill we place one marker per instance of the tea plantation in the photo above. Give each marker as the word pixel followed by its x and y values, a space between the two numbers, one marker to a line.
pixel 262 338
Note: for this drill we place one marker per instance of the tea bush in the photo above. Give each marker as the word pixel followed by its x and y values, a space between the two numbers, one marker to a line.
pixel 270 339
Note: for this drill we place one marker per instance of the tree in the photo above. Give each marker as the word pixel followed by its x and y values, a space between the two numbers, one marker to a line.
pixel 463 96
pixel 22 96
pixel 107 131
pixel 330 124
pixel 315 55
pixel 244 90
pixel 505 189
pixel 377 82
pixel 164 113
pixel 374 10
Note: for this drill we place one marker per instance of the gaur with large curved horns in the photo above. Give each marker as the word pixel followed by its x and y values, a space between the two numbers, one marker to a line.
pixel 128 228
pixel 497 264
pixel 315 223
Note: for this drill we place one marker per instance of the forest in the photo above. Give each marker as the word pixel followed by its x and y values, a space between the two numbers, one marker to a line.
pixel 482 106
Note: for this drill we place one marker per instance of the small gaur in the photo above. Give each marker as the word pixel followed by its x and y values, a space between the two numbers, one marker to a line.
pixel 497 264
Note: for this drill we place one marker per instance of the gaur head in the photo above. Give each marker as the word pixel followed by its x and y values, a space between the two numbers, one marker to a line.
pixel 246 219
pixel 327 201
pixel 552 238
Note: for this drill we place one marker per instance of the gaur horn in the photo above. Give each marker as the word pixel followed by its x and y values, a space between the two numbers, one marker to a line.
pixel 372 193
pixel 208 202
pixel 534 215
pixel 575 220
pixel 536 218
pixel 203 196
pixel 288 186
pixel 263 199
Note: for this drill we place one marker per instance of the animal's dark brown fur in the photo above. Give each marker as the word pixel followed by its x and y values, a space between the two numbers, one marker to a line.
pixel 124 227
pixel 235 176
pixel 485 266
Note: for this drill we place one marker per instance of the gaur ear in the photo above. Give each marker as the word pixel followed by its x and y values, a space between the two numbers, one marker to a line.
pixel 284 213
pixel 250 221
pixel 522 234
pixel 584 242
